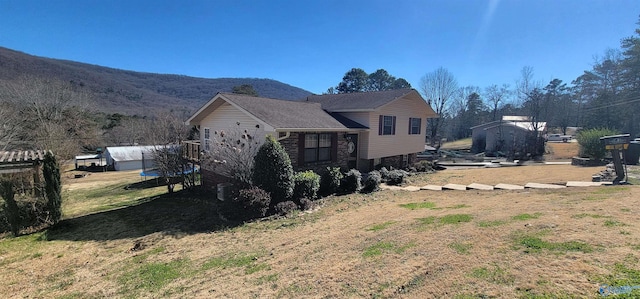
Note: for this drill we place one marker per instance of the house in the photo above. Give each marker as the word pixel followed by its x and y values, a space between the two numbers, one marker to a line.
pixel 129 157
pixel 357 130
pixel 505 135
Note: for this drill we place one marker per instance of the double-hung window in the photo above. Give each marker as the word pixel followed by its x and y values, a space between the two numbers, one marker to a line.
pixel 387 125
pixel 317 147
pixel 414 126
pixel 207 139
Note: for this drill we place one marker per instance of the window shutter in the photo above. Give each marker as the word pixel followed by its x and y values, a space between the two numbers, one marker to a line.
pixel 419 125
pixel 334 147
pixel 380 124
pixel 393 126
pixel 300 149
pixel 410 121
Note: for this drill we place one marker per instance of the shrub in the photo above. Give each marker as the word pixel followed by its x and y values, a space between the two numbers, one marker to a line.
pixel 307 204
pixel 590 144
pixel 372 182
pixel 351 182
pixel 384 173
pixel 286 207
pixel 254 201
pixel 306 185
pixel 273 171
pixel 330 180
pixel 395 177
pixel 424 166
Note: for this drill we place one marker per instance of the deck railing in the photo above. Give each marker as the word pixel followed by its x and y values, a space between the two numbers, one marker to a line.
pixel 191 150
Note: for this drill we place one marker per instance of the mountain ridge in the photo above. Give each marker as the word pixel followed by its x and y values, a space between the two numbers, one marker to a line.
pixel 131 92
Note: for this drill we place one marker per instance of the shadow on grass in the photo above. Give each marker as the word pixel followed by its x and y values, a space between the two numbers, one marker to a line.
pixel 180 213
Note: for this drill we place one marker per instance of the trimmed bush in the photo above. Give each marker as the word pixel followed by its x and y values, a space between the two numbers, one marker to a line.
pixel 372 182
pixel 306 185
pixel 352 181
pixel 384 173
pixel 254 201
pixel 590 144
pixel 273 171
pixel 330 180
pixel 286 207
pixel 307 204
pixel 395 177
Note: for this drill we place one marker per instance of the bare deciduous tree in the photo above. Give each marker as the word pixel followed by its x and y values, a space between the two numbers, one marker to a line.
pixel 49 115
pixel 232 153
pixel 438 88
pixel 495 96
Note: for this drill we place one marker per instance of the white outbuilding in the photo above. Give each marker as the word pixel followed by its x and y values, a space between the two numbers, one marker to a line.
pixel 130 157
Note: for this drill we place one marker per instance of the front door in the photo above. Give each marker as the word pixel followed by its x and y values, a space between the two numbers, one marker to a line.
pixel 352 147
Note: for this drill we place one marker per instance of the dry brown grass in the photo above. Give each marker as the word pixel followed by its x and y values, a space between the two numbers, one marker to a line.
pixel 341 249
pixel 561 151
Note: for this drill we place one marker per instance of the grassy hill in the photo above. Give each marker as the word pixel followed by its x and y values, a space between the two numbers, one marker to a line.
pixel 130 92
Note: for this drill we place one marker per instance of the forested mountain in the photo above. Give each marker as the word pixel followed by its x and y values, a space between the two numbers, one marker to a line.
pixel 129 92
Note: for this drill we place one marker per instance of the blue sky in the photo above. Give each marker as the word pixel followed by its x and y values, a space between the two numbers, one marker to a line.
pixel 311 44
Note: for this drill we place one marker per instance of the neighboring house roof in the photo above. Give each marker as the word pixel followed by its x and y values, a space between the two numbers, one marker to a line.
pixel 516 118
pixel 361 101
pixel 279 114
pixel 131 153
pixel 525 126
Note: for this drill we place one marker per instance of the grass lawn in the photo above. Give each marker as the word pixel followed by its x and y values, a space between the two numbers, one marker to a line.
pixel 119 242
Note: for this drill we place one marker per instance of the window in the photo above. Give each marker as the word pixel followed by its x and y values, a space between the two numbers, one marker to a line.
pixel 387 125
pixel 414 125
pixel 317 147
pixel 207 139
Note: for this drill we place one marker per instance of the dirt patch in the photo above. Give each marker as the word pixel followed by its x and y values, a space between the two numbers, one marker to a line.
pixel 519 175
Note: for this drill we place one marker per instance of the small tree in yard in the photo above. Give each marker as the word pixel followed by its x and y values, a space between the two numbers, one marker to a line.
pixel 232 154
pixel 273 172
pixel 590 144
pixel 170 164
pixel 52 187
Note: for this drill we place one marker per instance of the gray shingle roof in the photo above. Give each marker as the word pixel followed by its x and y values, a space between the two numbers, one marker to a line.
pixel 361 101
pixel 282 114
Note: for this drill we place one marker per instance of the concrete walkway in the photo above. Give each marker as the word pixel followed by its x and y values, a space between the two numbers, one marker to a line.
pixel 476 186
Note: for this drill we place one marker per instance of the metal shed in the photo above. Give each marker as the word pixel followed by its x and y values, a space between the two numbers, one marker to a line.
pixel 130 157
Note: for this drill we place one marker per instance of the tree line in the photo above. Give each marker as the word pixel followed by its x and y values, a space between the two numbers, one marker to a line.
pixel 606 96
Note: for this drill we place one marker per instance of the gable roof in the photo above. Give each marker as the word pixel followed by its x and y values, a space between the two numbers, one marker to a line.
pixel 360 101
pixel 279 114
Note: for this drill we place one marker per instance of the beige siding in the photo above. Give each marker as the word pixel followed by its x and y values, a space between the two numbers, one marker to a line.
pixel 226 117
pixel 401 143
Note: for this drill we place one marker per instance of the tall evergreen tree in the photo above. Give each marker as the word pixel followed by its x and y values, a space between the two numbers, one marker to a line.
pixel 52 187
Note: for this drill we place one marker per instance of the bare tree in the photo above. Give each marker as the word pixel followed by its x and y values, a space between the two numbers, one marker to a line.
pixel 49 114
pixel 439 88
pixel 496 96
pixel 166 132
pixel 232 153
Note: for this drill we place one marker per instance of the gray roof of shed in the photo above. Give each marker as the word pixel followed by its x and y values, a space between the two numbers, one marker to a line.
pixel 360 101
pixel 283 114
